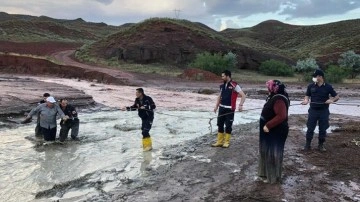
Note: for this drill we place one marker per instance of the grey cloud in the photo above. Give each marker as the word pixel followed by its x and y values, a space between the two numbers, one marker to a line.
pixel 318 8
pixel 242 8
pixel 106 2
pixel 231 24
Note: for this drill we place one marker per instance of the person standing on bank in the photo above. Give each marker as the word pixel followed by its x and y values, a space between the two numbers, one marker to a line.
pixel 145 106
pixel 226 103
pixel 48 112
pixel 72 123
pixel 274 130
pixel 38 128
pixel 319 92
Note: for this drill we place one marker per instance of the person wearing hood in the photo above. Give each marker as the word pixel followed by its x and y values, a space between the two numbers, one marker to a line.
pixel 321 95
pixel 274 130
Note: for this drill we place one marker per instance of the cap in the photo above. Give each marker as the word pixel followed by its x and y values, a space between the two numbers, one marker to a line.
pixel 318 72
pixel 50 99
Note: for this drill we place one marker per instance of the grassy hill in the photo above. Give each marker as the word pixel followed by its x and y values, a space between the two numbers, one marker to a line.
pixel 319 41
pixel 24 28
pixel 170 41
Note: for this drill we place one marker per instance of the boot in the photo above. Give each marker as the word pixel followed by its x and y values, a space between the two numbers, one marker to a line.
pixel 227 140
pixel 147 144
pixel 321 145
pixel 220 140
pixel 307 146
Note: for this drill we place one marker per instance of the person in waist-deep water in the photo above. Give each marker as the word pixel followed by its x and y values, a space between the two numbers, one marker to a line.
pixel 274 130
pixel 38 133
pixel 145 106
pixel 72 123
pixel 48 113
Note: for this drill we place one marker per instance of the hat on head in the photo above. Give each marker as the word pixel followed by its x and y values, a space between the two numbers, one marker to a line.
pixel 318 72
pixel 50 99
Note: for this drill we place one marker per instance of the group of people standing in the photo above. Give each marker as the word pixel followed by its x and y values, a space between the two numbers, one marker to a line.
pixel 273 123
pixel 47 112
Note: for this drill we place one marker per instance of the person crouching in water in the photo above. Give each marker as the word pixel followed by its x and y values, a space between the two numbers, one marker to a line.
pixel 72 123
pixel 48 112
pixel 274 130
pixel 145 106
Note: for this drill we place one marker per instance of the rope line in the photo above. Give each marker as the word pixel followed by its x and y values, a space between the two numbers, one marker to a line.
pixel 251 109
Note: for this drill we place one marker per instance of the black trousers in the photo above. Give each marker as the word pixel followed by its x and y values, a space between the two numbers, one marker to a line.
pixel 49 133
pixel 145 127
pixel 65 128
pixel 225 116
pixel 317 116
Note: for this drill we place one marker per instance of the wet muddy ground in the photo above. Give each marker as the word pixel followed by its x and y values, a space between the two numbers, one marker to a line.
pixel 187 169
pixel 198 172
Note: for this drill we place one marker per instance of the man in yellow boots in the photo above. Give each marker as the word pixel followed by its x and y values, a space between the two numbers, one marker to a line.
pixel 145 106
pixel 226 103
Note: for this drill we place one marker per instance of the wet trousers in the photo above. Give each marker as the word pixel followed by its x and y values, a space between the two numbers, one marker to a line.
pixel 317 116
pixel 225 116
pixel 49 133
pixel 65 128
pixel 145 127
pixel 271 152
pixel 38 130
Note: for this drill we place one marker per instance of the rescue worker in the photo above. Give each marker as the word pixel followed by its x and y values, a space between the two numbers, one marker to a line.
pixel 72 123
pixel 145 106
pixel 226 103
pixel 48 112
pixel 38 128
pixel 319 92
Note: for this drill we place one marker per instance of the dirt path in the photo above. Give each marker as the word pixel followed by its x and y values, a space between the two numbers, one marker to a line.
pixel 64 57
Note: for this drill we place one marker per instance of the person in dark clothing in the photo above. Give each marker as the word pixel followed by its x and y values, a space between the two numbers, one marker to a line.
pixel 38 133
pixel 319 92
pixel 145 106
pixel 274 130
pixel 226 103
pixel 72 122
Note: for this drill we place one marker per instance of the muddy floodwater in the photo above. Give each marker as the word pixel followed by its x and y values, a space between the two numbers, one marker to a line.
pixel 109 153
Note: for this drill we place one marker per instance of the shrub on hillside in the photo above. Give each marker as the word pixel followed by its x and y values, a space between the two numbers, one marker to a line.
pixel 306 67
pixel 350 61
pixel 215 63
pixel 276 68
pixel 335 74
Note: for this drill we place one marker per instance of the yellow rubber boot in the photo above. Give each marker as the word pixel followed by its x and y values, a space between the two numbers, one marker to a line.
pixel 227 140
pixel 220 140
pixel 147 144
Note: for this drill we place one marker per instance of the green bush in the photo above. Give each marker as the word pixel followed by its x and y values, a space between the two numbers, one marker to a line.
pixel 306 67
pixel 215 63
pixel 335 74
pixel 351 61
pixel 276 68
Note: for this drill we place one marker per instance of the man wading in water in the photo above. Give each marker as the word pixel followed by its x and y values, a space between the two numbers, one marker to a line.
pixel 145 106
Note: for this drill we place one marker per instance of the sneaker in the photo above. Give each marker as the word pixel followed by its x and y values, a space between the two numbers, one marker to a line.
pixel 321 148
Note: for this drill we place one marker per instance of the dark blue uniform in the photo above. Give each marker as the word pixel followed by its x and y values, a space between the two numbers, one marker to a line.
pixel 319 111
pixel 146 114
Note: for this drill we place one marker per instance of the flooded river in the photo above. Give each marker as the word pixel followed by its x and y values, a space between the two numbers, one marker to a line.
pixel 108 155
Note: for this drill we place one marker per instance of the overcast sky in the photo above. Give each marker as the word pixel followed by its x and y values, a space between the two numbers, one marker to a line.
pixel 218 14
